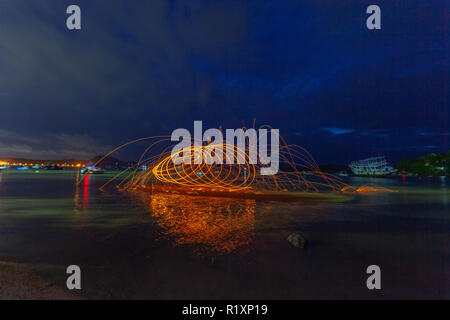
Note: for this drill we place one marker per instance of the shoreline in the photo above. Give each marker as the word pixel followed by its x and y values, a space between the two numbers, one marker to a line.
pixel 20 282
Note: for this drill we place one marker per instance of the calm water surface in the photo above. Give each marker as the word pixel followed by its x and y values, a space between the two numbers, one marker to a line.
pixel 137 245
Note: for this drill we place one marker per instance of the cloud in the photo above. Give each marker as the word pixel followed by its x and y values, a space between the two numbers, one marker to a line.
pixel 123 68
pixel 50 146
pixel 434 134
pixel 337 131
pixel 150 67
pixel 377 133
pixel 424 147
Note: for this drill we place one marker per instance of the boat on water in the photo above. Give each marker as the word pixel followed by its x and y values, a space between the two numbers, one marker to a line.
pixel 91 169
pixel 372 167
pixel 52 166
pixel 3 167
pixel 23 168
pixel 342 173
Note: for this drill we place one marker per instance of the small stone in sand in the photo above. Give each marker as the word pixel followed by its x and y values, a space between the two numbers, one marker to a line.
pixel 297 240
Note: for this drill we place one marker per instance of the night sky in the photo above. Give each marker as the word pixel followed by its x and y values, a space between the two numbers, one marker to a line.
pixel 142 68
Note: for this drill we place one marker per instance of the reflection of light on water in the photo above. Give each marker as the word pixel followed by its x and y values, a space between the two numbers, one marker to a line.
pixel 445 193
pixel 76 197
pixel 214 224
pixel 85 192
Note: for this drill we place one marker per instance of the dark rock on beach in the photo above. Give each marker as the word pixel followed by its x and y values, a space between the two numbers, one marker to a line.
pixel 297 240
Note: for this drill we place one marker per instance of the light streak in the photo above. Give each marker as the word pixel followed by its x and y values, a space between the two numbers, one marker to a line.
pixel 298 171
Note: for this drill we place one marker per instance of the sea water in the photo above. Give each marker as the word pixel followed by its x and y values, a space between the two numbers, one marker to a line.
pixel 137 245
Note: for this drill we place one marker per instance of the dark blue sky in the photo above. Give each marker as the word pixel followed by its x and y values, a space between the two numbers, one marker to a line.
pixel 141 68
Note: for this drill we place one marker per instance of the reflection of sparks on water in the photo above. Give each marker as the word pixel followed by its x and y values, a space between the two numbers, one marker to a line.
pixel 215 224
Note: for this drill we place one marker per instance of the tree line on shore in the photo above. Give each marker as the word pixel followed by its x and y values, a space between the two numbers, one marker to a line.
pixel 434 164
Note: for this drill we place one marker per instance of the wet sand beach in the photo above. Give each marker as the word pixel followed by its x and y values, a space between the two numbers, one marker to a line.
pixel 19 282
